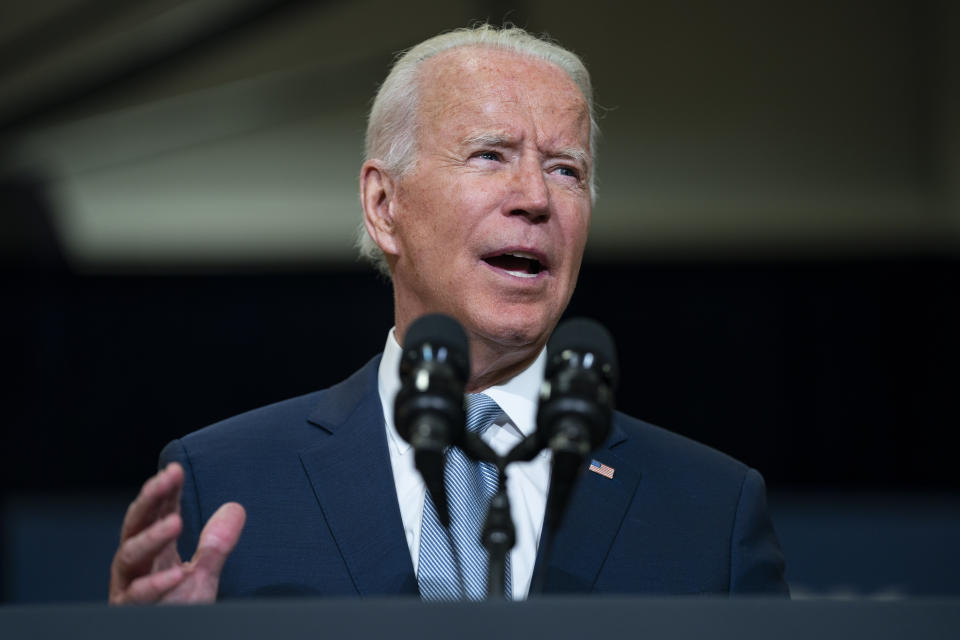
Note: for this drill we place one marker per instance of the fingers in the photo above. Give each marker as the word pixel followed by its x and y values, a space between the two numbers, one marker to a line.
pixel 146 567
pixel 136 555
pixel 159 496
pixel 150 529
pixel 218 538
pixel 150 588
pixel 131 579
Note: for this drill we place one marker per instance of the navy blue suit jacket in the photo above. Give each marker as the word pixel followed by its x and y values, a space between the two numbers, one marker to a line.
pixel 322 517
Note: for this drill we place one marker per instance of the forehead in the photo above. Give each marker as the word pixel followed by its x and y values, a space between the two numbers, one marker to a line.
pixel 474 89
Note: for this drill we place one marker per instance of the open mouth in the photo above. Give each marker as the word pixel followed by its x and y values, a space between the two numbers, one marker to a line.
pixel 517 263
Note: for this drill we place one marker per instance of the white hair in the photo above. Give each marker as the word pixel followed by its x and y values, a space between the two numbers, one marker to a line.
pixel 392 124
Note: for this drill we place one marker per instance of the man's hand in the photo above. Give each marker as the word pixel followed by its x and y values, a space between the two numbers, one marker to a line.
pixel 147 567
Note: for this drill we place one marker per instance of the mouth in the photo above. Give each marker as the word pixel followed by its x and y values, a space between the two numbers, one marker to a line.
pixel 521 264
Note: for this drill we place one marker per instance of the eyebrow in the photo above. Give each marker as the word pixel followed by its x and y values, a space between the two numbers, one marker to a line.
pixel 576 154
pixel 489 139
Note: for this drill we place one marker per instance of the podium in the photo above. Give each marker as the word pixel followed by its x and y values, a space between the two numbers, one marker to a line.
pixel 543 618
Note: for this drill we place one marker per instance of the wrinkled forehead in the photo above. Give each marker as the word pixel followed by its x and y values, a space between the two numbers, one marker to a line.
pixel 476 81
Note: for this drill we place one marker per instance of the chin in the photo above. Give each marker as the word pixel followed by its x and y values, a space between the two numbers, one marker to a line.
pixel 517 328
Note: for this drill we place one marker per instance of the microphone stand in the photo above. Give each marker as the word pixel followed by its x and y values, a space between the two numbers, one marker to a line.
pixel 498 537
pixel 499 534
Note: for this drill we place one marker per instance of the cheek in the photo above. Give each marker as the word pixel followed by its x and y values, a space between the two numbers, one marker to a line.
pixel 456 211
pixel 438 206
pixel 417 221
pixel 575 234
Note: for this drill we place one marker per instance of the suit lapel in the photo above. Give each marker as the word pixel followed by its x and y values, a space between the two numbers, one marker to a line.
pixel 353 481
pixel 596 510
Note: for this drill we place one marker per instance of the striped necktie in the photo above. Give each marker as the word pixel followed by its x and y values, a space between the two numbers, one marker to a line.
pixel 470 485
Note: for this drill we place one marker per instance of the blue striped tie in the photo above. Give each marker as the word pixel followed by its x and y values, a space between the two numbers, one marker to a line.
pixel 470 485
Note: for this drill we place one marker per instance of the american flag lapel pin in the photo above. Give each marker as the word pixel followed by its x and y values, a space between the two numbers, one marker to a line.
pixel 602 469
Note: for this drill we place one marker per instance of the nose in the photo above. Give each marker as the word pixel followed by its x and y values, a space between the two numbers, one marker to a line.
pixel 530 193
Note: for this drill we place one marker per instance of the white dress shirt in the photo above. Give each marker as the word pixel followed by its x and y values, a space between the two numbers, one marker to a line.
pixel 527 482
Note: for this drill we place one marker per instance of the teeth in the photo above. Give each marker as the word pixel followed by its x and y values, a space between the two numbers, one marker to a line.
pixel 501 262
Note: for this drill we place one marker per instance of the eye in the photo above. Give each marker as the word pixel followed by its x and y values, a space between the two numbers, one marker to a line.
pixel 490 155
pixel 567 171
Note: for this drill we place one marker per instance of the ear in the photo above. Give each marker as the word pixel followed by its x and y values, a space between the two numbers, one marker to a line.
pixel 378 198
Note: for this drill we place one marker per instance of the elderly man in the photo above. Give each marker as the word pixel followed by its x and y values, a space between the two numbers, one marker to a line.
pixel 476 194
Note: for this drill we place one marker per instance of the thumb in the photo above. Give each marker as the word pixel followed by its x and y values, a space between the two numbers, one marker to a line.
pixel 219 537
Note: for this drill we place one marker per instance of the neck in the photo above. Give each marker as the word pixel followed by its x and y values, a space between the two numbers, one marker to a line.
pixel 493 361
pixel 492 364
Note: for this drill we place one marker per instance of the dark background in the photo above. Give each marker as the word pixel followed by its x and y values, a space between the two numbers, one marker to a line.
pixel 820 374
pixel 783 287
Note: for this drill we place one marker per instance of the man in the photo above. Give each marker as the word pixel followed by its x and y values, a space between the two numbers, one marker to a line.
pixel 477 194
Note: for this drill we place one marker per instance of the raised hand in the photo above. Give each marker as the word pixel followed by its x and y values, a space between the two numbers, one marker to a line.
pixel 147 567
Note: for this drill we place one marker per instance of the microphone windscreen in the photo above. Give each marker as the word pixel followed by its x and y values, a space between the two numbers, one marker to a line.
pixel 584 336
pixel 436 327
pixel 440 330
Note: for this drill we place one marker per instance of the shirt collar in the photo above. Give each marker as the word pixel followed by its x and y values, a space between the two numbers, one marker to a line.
pixel 517 397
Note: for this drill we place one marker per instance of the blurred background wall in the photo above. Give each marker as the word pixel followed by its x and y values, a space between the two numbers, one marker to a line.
pixel 776 248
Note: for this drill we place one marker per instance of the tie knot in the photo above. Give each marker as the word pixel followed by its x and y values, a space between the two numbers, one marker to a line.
pixel 481 411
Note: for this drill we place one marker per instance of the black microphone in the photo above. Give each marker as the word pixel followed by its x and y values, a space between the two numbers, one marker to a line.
pixel 576 404
pixel 428 411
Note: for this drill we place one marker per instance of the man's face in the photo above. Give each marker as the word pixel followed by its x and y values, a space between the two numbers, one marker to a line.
pixel 491 223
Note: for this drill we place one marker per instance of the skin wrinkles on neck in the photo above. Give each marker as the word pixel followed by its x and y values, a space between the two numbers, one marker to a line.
pixel 491 363
pixel 491 366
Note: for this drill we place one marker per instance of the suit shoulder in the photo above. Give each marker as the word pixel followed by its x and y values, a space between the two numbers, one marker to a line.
pixel 262 420
pixel 283 423
pixel 662 450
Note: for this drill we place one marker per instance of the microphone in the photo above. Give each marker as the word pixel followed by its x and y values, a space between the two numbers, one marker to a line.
pixel 428 411
pixel 576 404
